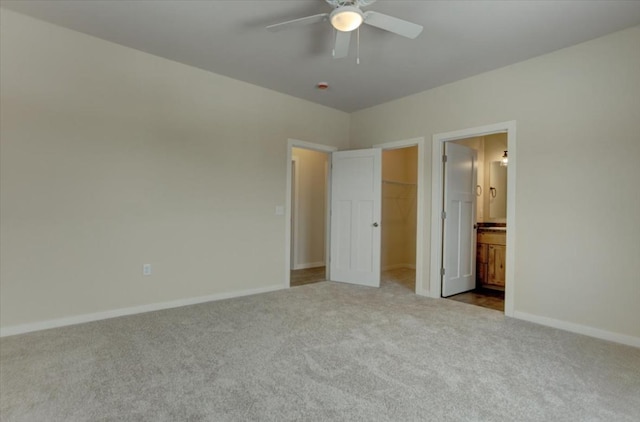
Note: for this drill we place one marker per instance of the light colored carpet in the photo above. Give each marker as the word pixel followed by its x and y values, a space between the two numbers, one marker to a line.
pixel 321 352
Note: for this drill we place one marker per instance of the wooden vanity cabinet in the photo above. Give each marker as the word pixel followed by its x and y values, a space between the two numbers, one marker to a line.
pixel 482 262
pixel 496 265
pixel 490 258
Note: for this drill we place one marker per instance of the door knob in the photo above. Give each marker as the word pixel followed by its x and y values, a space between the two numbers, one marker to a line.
pixel 375 224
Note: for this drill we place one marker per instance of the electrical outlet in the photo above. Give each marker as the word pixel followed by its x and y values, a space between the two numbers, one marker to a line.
pixel 146 269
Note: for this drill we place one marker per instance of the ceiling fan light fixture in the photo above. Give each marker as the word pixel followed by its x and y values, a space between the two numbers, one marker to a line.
pixel 346 18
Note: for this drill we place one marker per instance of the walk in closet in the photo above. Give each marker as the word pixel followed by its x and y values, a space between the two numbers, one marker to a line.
pixel 399 193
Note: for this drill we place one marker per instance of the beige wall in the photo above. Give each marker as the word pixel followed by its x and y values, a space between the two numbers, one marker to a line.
pixel 578 149
pixel 399 175
pixel 310 208
pixel 112 158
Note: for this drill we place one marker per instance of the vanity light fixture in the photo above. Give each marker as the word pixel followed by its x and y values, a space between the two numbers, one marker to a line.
pixel 505 159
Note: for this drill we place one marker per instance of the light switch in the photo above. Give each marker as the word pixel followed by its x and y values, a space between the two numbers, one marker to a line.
pixel 279 210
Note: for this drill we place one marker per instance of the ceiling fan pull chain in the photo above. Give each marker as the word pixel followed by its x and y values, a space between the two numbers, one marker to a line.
pixel 358 46
pixel 333 52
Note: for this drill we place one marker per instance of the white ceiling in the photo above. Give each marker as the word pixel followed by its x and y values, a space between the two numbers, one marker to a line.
pixel 460 39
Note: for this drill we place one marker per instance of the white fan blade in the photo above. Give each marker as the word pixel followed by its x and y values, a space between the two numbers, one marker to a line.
pixel 298 22
pixel 391 24
pixel 341 48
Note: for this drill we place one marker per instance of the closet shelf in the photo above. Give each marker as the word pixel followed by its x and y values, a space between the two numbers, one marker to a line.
pixel 394 182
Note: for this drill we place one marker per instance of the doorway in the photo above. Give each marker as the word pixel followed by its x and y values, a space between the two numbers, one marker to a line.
pixel 499 237
pixel 416 276
pixel 487 242
pixel 293 217
pixel 345 164
pixel 309 179
pixel 399 217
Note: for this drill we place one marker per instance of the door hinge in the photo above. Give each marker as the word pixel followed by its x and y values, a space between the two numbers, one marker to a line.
pixel 444 158
pixel 444 215
pixel 441 272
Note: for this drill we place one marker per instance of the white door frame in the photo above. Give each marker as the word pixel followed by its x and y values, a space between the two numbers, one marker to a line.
pixel 421 281
pixel 295 209
pixel 435 287
pixel 295 143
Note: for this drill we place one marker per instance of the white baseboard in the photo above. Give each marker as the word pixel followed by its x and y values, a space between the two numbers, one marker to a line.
pixel 308 265
pixel 398 266
pixel 79 319
pixel 580 329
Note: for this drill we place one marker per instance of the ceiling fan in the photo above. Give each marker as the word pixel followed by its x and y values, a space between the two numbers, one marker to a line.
pixel 346 16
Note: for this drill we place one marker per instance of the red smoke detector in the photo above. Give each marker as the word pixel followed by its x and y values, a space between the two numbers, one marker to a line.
pixel 322 86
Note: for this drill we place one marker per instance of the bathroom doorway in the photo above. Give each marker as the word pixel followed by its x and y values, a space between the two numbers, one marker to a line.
pixel 488 243
pixel 491 256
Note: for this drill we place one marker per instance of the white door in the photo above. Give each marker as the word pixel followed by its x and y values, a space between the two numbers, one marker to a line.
pixel 356 187
pixel 459 240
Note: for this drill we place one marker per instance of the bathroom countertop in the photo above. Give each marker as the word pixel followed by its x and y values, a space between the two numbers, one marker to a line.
pixel 492 228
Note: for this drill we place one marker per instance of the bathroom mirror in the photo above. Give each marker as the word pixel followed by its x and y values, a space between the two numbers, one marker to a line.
pixel 497 191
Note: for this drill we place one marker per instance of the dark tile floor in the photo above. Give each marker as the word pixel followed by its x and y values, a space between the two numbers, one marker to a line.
pixel 487 298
